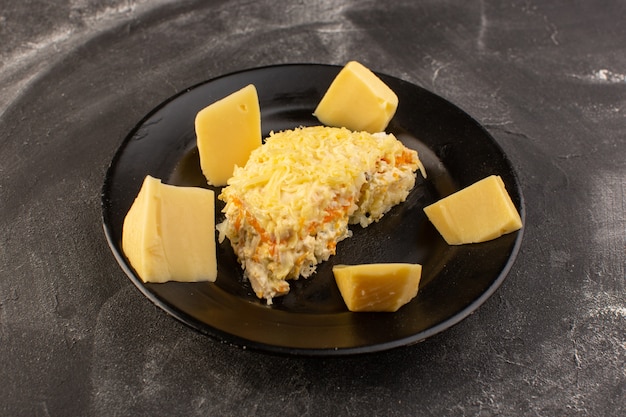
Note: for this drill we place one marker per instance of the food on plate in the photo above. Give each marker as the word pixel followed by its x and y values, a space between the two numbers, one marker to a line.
pixel 377 287
pixel 290 201
pixel 169 233
pixel 477 213
pixel 358 100
pixel 290 205
pixel 227 131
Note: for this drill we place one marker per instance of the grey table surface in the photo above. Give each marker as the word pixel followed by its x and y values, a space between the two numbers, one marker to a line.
pixel 546 78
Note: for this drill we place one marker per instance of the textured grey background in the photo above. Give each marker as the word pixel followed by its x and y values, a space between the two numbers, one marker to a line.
pixel 547 79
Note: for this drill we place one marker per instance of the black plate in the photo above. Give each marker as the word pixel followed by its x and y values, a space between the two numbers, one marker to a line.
pixel 312 319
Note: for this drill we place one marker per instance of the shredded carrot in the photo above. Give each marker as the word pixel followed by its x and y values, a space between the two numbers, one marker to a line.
pixel 254 223
pixel 405 158
pixel 338 212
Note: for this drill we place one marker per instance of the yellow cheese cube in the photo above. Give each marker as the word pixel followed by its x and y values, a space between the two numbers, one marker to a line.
pixel 227 131
pixel 477 213
pixel 377 287
pixel 358 100
pixel 169 233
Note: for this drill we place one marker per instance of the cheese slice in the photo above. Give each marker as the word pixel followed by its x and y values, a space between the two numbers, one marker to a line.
pixel 358 100
pixel 480 212
pixel 227 131
pixel 377 287
pixel 169 233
